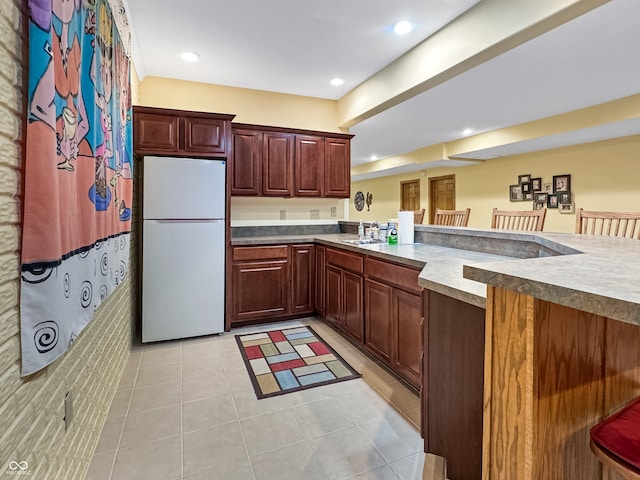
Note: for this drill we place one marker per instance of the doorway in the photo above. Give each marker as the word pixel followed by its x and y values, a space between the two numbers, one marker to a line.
pixel 442 194
pixel 410 195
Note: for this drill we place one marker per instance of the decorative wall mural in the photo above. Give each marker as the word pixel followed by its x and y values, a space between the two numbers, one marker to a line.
pixel 78 172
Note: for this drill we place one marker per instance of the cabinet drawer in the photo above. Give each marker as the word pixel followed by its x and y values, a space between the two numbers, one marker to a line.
pixel 346 260
pixel 260 253
pixel 389 273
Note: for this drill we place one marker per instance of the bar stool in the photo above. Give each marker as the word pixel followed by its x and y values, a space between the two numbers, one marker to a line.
pixel 616 441
pixel 453 218
pixel 531 220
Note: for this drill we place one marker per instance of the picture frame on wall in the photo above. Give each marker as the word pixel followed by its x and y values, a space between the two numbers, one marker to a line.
pixel 564 198
pixel 526 188
pixel 524 178
pixel 528 196
pixel 540 197
pixel 561 183
pixel 552 200
pixel 536 184
pixel 515 193
pixel 547 187
pixel 567 207
pixel 538 205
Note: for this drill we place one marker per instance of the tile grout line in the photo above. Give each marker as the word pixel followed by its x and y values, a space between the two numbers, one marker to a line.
pixel 181 411
pixel 126 416
pixel 235 407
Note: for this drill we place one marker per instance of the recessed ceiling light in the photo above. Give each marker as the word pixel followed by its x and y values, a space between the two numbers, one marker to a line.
pixel 336 82
pixel 467 131
pixel 374 157
pixel 190 56
pixel 402 28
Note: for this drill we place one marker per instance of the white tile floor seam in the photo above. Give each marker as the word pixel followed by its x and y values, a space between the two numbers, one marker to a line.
pixel 285 437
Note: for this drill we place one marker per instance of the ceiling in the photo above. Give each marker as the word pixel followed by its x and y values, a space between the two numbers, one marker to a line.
pixel 282 47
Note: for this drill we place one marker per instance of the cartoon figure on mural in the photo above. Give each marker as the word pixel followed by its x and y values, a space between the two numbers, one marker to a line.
pixel 57 99
pixel 102 61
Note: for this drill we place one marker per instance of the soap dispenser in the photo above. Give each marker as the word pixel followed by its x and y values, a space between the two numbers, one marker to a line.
pixel 361 231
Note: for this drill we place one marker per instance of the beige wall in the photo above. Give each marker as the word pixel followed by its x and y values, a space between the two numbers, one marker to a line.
pixel 604 176
pixel 31 409
pixel 249 106
pixel 260 108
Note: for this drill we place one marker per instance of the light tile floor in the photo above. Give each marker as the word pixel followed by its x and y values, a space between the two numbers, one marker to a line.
pixel 186 410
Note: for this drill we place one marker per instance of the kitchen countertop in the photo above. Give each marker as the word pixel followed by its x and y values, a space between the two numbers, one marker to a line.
pixel 441 266
pixel 590 273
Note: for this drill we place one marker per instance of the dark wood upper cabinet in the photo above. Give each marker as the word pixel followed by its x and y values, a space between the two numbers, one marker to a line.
pixel 156 133
pixel 162 131
pixel 299 163
pixel 277 164
pixel 337 168
pixel 246 166
pixel 204 135
pixel 309 166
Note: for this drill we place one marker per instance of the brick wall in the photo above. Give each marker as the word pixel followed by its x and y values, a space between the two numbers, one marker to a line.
pixel 32 409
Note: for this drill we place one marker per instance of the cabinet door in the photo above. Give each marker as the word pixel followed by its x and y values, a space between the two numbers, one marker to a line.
pixel 408 335
pixel 309 161
pixel 260 289
pixel 337 168
pixel 320 269
pixel 378 319
pixel 205 135
pixel 246 164
pixel 155 133
pixel 334 296
pixel 353 311
pixel 277 164
pixel 302 281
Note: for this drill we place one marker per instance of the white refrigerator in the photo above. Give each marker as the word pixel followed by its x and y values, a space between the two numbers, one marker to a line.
pixel 183 248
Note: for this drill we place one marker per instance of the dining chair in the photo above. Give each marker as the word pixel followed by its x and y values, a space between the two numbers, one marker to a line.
pixel 453 218
pixel 418 216
pixel 531 220
pixel 615 440
pixel 613 224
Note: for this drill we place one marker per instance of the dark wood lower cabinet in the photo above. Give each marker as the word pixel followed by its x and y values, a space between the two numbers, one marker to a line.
pixel 302 279
pixel 408 336
pixel 344 295
pixel 353 309
pixel 393 320
pixel 272 282
pixel 378 319
pixel 320 283
pixel 453 376
pixel 260 289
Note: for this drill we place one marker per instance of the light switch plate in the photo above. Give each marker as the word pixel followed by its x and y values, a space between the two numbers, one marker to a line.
pixel 283 214
pixel 334 213
pixel 315 214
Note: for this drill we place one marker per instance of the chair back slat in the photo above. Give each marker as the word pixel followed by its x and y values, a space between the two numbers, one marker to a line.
pixel 418 216
pixel 526 220
pixel 613 224
pixel 452 218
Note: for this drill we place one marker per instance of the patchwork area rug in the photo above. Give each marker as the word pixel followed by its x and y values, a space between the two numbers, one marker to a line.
pixel 289 360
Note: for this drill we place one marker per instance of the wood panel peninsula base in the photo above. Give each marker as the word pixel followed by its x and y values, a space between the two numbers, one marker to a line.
pixel 551 373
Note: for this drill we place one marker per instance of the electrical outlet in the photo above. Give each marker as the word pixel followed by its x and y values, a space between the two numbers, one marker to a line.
pixel 315 214
pixel 334 213
pixel 68 409
pixel 283 214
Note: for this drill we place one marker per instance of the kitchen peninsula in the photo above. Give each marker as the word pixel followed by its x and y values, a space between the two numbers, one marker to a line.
pixel 557 345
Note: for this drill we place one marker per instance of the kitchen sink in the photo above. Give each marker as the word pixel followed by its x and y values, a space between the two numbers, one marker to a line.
pixel 366 241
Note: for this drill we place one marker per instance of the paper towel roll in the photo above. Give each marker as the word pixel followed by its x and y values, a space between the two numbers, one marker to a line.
pixel 405 227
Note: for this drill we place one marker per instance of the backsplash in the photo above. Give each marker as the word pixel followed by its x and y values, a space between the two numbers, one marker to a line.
pixel 247 211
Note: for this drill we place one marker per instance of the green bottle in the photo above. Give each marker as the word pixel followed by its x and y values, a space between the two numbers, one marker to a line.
pixel 393 235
